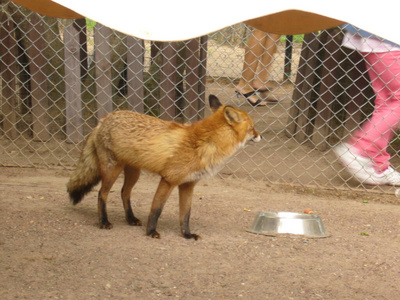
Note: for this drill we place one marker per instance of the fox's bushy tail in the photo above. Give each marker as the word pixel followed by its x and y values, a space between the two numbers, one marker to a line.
pixel 87 173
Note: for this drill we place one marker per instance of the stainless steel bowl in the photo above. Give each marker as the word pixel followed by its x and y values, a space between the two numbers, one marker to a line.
pixel 277 223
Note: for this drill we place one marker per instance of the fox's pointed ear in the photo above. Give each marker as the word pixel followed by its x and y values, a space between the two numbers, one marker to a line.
pixel 214 102
pixel 232 115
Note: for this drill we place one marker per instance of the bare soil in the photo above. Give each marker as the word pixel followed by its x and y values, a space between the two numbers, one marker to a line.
pixel 53 250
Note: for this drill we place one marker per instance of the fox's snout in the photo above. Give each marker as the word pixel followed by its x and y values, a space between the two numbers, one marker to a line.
pixel 256 138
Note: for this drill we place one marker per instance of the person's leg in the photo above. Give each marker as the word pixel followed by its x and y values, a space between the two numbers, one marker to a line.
pixel 253 53
pixel 375 134
pixel 264 67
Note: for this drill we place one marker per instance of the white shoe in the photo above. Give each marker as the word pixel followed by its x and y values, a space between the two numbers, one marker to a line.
pixel 358 166
pixel 388 177
pixel 362 168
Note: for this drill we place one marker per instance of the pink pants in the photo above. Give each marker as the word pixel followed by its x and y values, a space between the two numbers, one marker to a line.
pixel 373 138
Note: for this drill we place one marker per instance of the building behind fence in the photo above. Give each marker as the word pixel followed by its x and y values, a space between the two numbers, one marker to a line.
pixel 59 77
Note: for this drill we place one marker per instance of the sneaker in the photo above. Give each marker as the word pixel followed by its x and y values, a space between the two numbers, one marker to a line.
pixel 358 166
pixel 388 177
pixel 362 169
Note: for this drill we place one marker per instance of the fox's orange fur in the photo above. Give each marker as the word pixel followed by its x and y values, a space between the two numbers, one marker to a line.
pixel 180 154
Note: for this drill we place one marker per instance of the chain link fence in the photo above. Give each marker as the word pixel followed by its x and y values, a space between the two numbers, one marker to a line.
pixel 58 77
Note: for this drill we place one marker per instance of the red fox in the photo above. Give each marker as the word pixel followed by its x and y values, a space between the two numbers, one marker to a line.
pixel 180 154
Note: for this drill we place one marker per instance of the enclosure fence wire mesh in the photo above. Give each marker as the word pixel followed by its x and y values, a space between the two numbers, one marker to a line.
pixel 59 77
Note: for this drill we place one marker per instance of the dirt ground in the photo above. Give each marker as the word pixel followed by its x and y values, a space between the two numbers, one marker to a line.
pixel 53 250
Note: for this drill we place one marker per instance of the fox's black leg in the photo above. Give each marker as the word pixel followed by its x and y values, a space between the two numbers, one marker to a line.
pixel 131 177
pixel 152 223
pixel 103 218
pixel 108 178
pixel 185 204
pixel 131 219
pixel 162 194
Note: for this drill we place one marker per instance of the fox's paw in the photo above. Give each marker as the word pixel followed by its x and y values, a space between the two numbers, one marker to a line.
pixel 134 221
pixel 192 236
pixel 154 234
pixel 106 225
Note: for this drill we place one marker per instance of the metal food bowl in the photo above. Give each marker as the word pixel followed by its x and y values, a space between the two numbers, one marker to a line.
pixel 281 223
